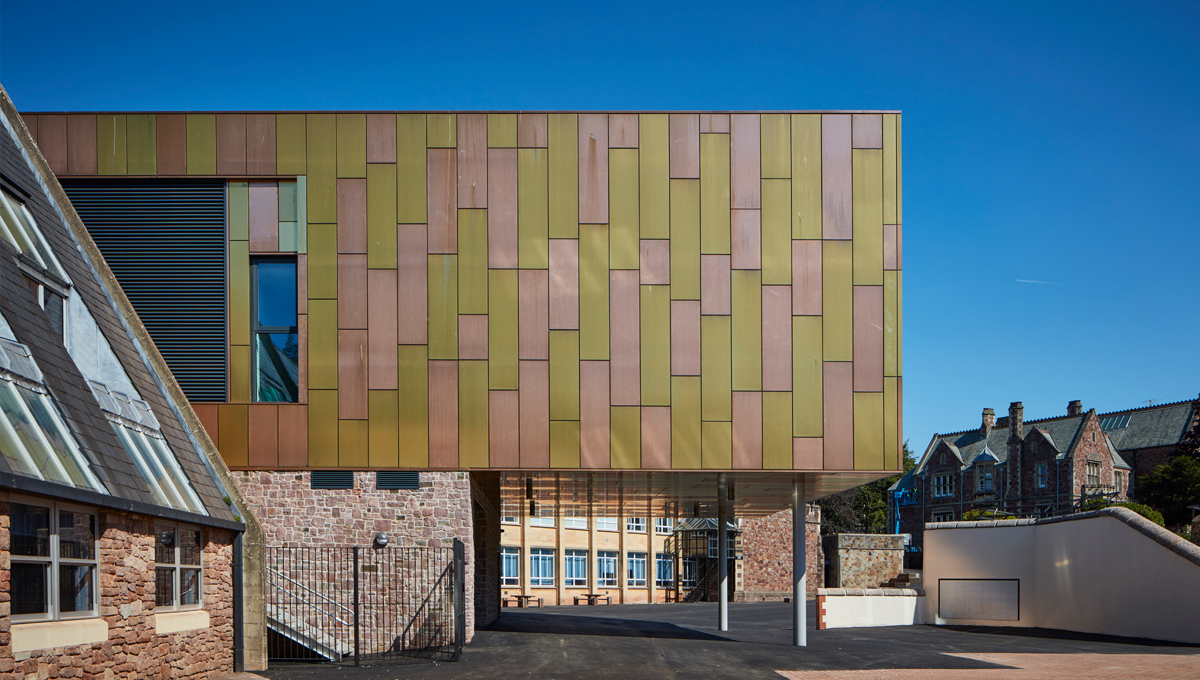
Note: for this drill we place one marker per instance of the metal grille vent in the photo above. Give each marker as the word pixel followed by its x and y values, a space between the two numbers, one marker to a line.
pixel 979 599
pixel 165 242
pixel 332 479
pixel 398 479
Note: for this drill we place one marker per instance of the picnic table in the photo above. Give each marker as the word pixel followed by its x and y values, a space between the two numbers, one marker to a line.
pixel 593 598
pixel 524 600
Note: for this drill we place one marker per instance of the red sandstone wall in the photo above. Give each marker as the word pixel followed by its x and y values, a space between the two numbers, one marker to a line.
pixel 767 555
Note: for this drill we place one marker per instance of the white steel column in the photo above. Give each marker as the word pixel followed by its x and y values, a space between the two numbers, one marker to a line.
pixel 722 554
pixel 799 567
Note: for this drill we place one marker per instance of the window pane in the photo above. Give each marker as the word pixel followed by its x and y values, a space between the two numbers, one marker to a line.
pixel 29 530
pixel 189 586
pixel 164 545
pixel 276 293
pixel 29 588
pixel 164 586
pixel 28 433
pixel 76 587
pixel 143 466
pixel 277 358
pixel 40 407
pixel 179 481
pixel 189 546
pixel 76 535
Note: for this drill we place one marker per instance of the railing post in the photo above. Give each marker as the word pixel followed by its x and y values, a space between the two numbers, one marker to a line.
pixel 356 626
pixel 460 608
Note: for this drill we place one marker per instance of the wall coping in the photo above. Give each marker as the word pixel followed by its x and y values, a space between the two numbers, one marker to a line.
pixel 869 592
pixel 1180 546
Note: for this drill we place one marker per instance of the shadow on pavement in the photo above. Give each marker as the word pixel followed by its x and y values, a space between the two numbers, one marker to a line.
pixel 562 624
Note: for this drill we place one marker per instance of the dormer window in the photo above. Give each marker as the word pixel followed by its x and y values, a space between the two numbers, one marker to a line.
pixel 18 227
pixel 984 475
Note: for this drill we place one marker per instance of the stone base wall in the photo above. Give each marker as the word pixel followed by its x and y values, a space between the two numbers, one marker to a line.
pixel 126 584
pixel 863 560
pixel 767 556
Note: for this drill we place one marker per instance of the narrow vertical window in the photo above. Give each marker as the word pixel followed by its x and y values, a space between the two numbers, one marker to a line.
pixel 276 353
pixel 510 566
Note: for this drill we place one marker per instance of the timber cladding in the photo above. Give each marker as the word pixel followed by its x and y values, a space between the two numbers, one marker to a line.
pixel 552 290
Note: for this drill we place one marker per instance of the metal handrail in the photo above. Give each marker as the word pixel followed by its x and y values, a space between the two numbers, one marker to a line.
pixel 308 602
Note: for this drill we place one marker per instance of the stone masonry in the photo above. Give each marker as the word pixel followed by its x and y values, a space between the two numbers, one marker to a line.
pixel 767 555
pixel 863 560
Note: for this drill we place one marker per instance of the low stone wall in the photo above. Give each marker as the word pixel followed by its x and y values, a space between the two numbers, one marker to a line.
pixel 767 556
pixel 863 560
pixel 869 607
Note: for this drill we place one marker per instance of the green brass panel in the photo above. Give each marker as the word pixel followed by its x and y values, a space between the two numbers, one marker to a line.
pixel 868 431
pixel 473 414
pixel 625 436
pixel 716 444
pixel 654 174
pixel 239 211
pixel 111 145
pixel 287 201
pixel 714 194
pixel 502 130
pixel 411 169
pixel 322 168
pixel 383 413
pixel 381 216
pixel 715 371
pixel 899 173
pixel 302 214
pixel 239 373
pixel 891 447
pixel 776 139
pixel 201 144
pixel 142 143
pixel 623 209
pixel 353 438
pixel 889 168
pixel 746 299
pixel 291 144
pixel 287 237
pixel 443 306
pixel 233 440
pixel 502 329
pixel 776 232
pixel 239 293
pixel 685 422
pixel 414 405
pixel 564 444
pixel 472 261
pixel 868 217
pixel 532 207
pixel 685 239
pixel 891 330
pixel 899 323
pixel 322 428
pixel 656 346
pixel 837 300
pixel 564 375
pixel 806 176
pixel 351 145
pixel 777 430
pixel 322 261
pixel 563 141
pixel 322 346
pixel 442 130
pixel 807 383
pixel 593 291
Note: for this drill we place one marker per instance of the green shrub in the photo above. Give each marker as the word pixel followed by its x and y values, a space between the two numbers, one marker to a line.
pixel 980 514
pixel 1143 510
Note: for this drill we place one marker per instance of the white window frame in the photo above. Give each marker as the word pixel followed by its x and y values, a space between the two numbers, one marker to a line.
pixel 1042 475
pixel 157 465
pixel 664 526
pixel 606 524
pixel 943 485
pixel 664 570
pixel 687 576
pixel 575 568
pixel 606 568
pixel 56 471
pixel 636 525
pixel 943 516
pixel 1094 471
pixel 541 567
pixel 54 561
pixel 542 521
pixel 510 566
pixel 635 569
pixel 575 523
pixel 985 478
pixel 510 519
pixel 16 216
pixel 177 566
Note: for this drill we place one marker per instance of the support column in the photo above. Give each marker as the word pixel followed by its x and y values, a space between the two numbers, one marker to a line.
pixel 722 554
pixel 799 566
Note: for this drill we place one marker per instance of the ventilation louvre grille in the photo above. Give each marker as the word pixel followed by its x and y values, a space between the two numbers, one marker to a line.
pixel 979 599
pixel 332 479
pixel 398 479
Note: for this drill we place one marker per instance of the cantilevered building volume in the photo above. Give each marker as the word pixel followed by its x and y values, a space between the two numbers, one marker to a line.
pixel 583 314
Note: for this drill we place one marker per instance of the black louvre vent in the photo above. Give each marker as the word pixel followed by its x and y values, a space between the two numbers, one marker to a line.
pixel 398 479
pixel 165 242
pixel 332 479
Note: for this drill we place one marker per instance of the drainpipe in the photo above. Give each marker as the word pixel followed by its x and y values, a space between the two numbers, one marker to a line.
pixel 239 652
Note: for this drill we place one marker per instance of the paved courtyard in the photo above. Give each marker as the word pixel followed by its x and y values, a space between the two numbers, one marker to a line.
pixel 681 641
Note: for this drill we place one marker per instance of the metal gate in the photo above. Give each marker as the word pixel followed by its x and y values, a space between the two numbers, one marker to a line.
pixel 361 605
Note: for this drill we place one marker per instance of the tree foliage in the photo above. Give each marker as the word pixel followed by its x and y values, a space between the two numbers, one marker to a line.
pixel 863 509
pixel 1172 487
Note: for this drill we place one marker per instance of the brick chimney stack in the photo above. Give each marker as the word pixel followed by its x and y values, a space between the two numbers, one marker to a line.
pixel 1075 408
pixel 989 421
pixel 1016 433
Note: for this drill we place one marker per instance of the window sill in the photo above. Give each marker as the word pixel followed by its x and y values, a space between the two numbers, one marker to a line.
pixel 175 622
pixel 28 637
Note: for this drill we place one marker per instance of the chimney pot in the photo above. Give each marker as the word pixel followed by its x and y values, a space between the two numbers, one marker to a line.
pixel 1075 408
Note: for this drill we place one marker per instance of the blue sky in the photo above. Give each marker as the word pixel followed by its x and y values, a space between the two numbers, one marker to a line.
pixel 1054 143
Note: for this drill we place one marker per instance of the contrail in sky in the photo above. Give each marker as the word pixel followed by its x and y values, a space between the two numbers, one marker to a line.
pixel 1048 283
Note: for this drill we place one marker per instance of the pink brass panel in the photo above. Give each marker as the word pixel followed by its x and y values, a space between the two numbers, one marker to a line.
pixel 838 382
pixel 806 278
pixel 31 124
pixel 352 215
pixel 837 195
pixel 472 336
pixel 593 168
pixel 381 138
pixel 745 167
pixel 656 261
pixel 808 453
pixel 745 239
pixel 777 338
pixel 889 246
pixel 52 142
pixel 209 415
pixel 231 143
pixel 714 122
pixel 531 131
pixel 564 283
pixel 502 209
pixel 81 143
pixel 293 435
pixel 593 414
pixel 868 338
pixel 656 437
pixel 624 319
pixel 685 145
pixel 172 144
pixel 442 201
pixel 472 160
pixel 443 414
pixel 264 435
pixel 260 143
pixel 504 439
pixel 352 375
pixel 352 291
pixel 381 328
pixel 535 413
pixel 685 337
pixel 623 130
pixel 714 284
pixel 533 314
pixel 412 285
pixel 868 130
pixel 747 430
pixel 264 217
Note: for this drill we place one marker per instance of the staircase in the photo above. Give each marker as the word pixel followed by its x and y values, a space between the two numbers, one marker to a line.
pixel 908 580
pixel 308 636
pixel 296 629
pixel 699 593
